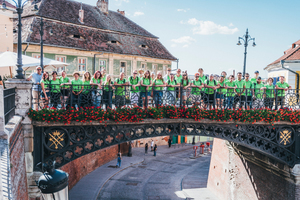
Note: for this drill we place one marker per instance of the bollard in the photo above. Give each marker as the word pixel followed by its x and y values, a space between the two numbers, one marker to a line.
pixel 207 147
pixel 195 148
pixel 202 148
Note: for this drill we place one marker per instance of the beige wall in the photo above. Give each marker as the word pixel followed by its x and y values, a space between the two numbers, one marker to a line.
pixel 6 35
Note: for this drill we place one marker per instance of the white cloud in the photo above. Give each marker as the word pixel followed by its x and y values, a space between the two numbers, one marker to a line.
pixel 138 14
pixel 185 46
pixel 119 2
pixel 231 24
pixel 183 10
pixel 210 28
pixel 184 40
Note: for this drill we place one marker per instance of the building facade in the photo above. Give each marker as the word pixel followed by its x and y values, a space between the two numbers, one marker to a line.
pixel 90 38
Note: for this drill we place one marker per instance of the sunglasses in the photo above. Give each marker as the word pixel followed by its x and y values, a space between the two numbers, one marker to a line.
pixel 134 73
pixel 169 70
pixel 247 76
pixel 197 76
pixel 184 74
pixel 39 69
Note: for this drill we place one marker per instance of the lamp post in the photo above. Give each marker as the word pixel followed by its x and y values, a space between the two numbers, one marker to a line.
pixel 53 183
pixel 246 38
pixel 19 9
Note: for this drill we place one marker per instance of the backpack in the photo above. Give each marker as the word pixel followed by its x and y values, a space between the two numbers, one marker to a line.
pixel 214 82
pixel 183 80
pixel 117 80
pixel 169 81
pixel 131 78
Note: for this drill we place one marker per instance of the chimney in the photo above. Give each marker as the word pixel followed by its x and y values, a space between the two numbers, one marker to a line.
pixel 293 45
pixel 103 6
pixel 81 15
pixel 121 12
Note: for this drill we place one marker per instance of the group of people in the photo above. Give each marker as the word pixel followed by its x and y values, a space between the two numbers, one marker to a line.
pixel 143 87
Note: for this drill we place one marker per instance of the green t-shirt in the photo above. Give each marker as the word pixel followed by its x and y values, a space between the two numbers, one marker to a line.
pixel 281 93
pixel 210 83
pixel 96 81
pixel 249 87
pixel 64 80
pixel 203 79
pixel 258 93
pixel 184 82
pixel 158 82
pixel 270 91
pixel 253 80
pixel 103 78
pixel 230 92
pixel 76 85
pixel 222 90
pixel 120 90
pixel 146 81
pixel 55 86
pixel 178 78
pixel 240 84
pixel 196 91
pixel 134 81
pixel 106 88
pixel 86 87
pixel 46 84
pixel 174 82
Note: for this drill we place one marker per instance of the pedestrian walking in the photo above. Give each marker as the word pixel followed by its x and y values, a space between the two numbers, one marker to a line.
pixel 169 142
pixel 146 148
pixel 119 160
pixel 152 143
pixel 155 149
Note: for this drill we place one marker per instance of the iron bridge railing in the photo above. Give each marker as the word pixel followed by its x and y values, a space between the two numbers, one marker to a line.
pixel 9 96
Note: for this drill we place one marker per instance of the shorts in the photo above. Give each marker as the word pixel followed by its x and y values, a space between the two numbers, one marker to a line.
pixel 143 94
pixel 43 95
pixel 209 98
pixel 64 92
pixel 240 99
pixel 249 100
pixel 219 95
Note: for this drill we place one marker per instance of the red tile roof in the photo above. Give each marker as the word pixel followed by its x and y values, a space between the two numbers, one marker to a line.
pixel 292 53
pixel 9 5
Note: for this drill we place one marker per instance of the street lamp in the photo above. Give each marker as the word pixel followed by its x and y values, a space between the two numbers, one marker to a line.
pixel 53 183
pixel 246 38
pixel 19 9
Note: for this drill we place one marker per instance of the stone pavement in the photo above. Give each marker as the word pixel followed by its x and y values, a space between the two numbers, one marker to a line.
pixel 90 185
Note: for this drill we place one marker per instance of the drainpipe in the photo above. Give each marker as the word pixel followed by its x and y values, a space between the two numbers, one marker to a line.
pixel 297 75
pixel 26 48
pixel 94 64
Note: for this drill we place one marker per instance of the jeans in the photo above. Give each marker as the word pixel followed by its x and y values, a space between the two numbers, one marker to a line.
pixel 106 100
pixel 230 102
pixel 158 97
pixel 170 97
pixel 96 98
pixel 154 153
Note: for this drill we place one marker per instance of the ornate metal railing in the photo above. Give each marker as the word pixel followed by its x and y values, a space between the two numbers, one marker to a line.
pixel 117 96
pixel 9 103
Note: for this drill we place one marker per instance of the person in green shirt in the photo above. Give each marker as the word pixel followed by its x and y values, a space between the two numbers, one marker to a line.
pixel 158 85
pixel 86 95
pixel 45 95
pixel 281 87
pixel 171 87
pixel 230 85
pixel 107 92
pixel 256 75
pixel 121 84
pixel 96 81
pixel 196 86
pixel 210 86
pixel 225 76
pixel 178 78
pixel 185 83
pixel 134 81
pixel 258 94
pixel 145 85
pixel 239 90
pixel 269 93
pixel 168 75
pixel 77 88
pixel 64 88
pixel 55 90
pixel 249 89
pixel 221 91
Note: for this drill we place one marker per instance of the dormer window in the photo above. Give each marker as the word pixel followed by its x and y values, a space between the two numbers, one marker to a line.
pixel 77 36
pixel 144 46
pixel 114 42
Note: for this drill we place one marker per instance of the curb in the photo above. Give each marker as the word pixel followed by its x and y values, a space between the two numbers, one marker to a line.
pixel 116 174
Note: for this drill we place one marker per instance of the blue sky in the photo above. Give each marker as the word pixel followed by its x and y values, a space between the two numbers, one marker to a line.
pixel 204 33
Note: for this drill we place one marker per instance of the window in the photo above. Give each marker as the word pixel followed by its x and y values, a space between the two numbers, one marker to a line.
pixel 164 69
pixel 154 68
pixel 36 55
pixel 123 67
pixel 77 36
pixel 82 64
pixel 113 42
pixel 143 66
pixel 60 59
pixel 102 64
pixel 144 46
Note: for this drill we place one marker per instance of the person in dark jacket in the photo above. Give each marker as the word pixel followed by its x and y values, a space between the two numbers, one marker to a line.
pixel 169 142
pixel 146 148
pixel 155 149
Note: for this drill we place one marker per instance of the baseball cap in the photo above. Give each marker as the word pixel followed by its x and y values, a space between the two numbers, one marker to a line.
pixel 259 77
pixel 197 74
pixel 256 72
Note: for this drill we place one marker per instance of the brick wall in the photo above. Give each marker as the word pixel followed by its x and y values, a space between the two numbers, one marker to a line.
pixel 161 140
pixel 82 166
pixel 234 176
pixel 18 169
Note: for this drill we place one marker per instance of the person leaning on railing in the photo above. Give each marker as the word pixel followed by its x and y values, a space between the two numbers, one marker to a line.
pixel 65 89
pixel 221 92
pixel 45 94
pixel 96 81
pixel 158 84
pixel 170 92
pixel 240 91
pixel 178 78
pixel 196 86
pixel 77 88
pixel 86 96
pixel 258 95
pixel 108 91
pixel 249 88
pixel 281 87
pixel 120 83
pixel 134 81
pixel 145 83
pixel 270 93
pixel 55 90
pixel 230 85
pixel 36 77
pixel 185 83
pixel 210 86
